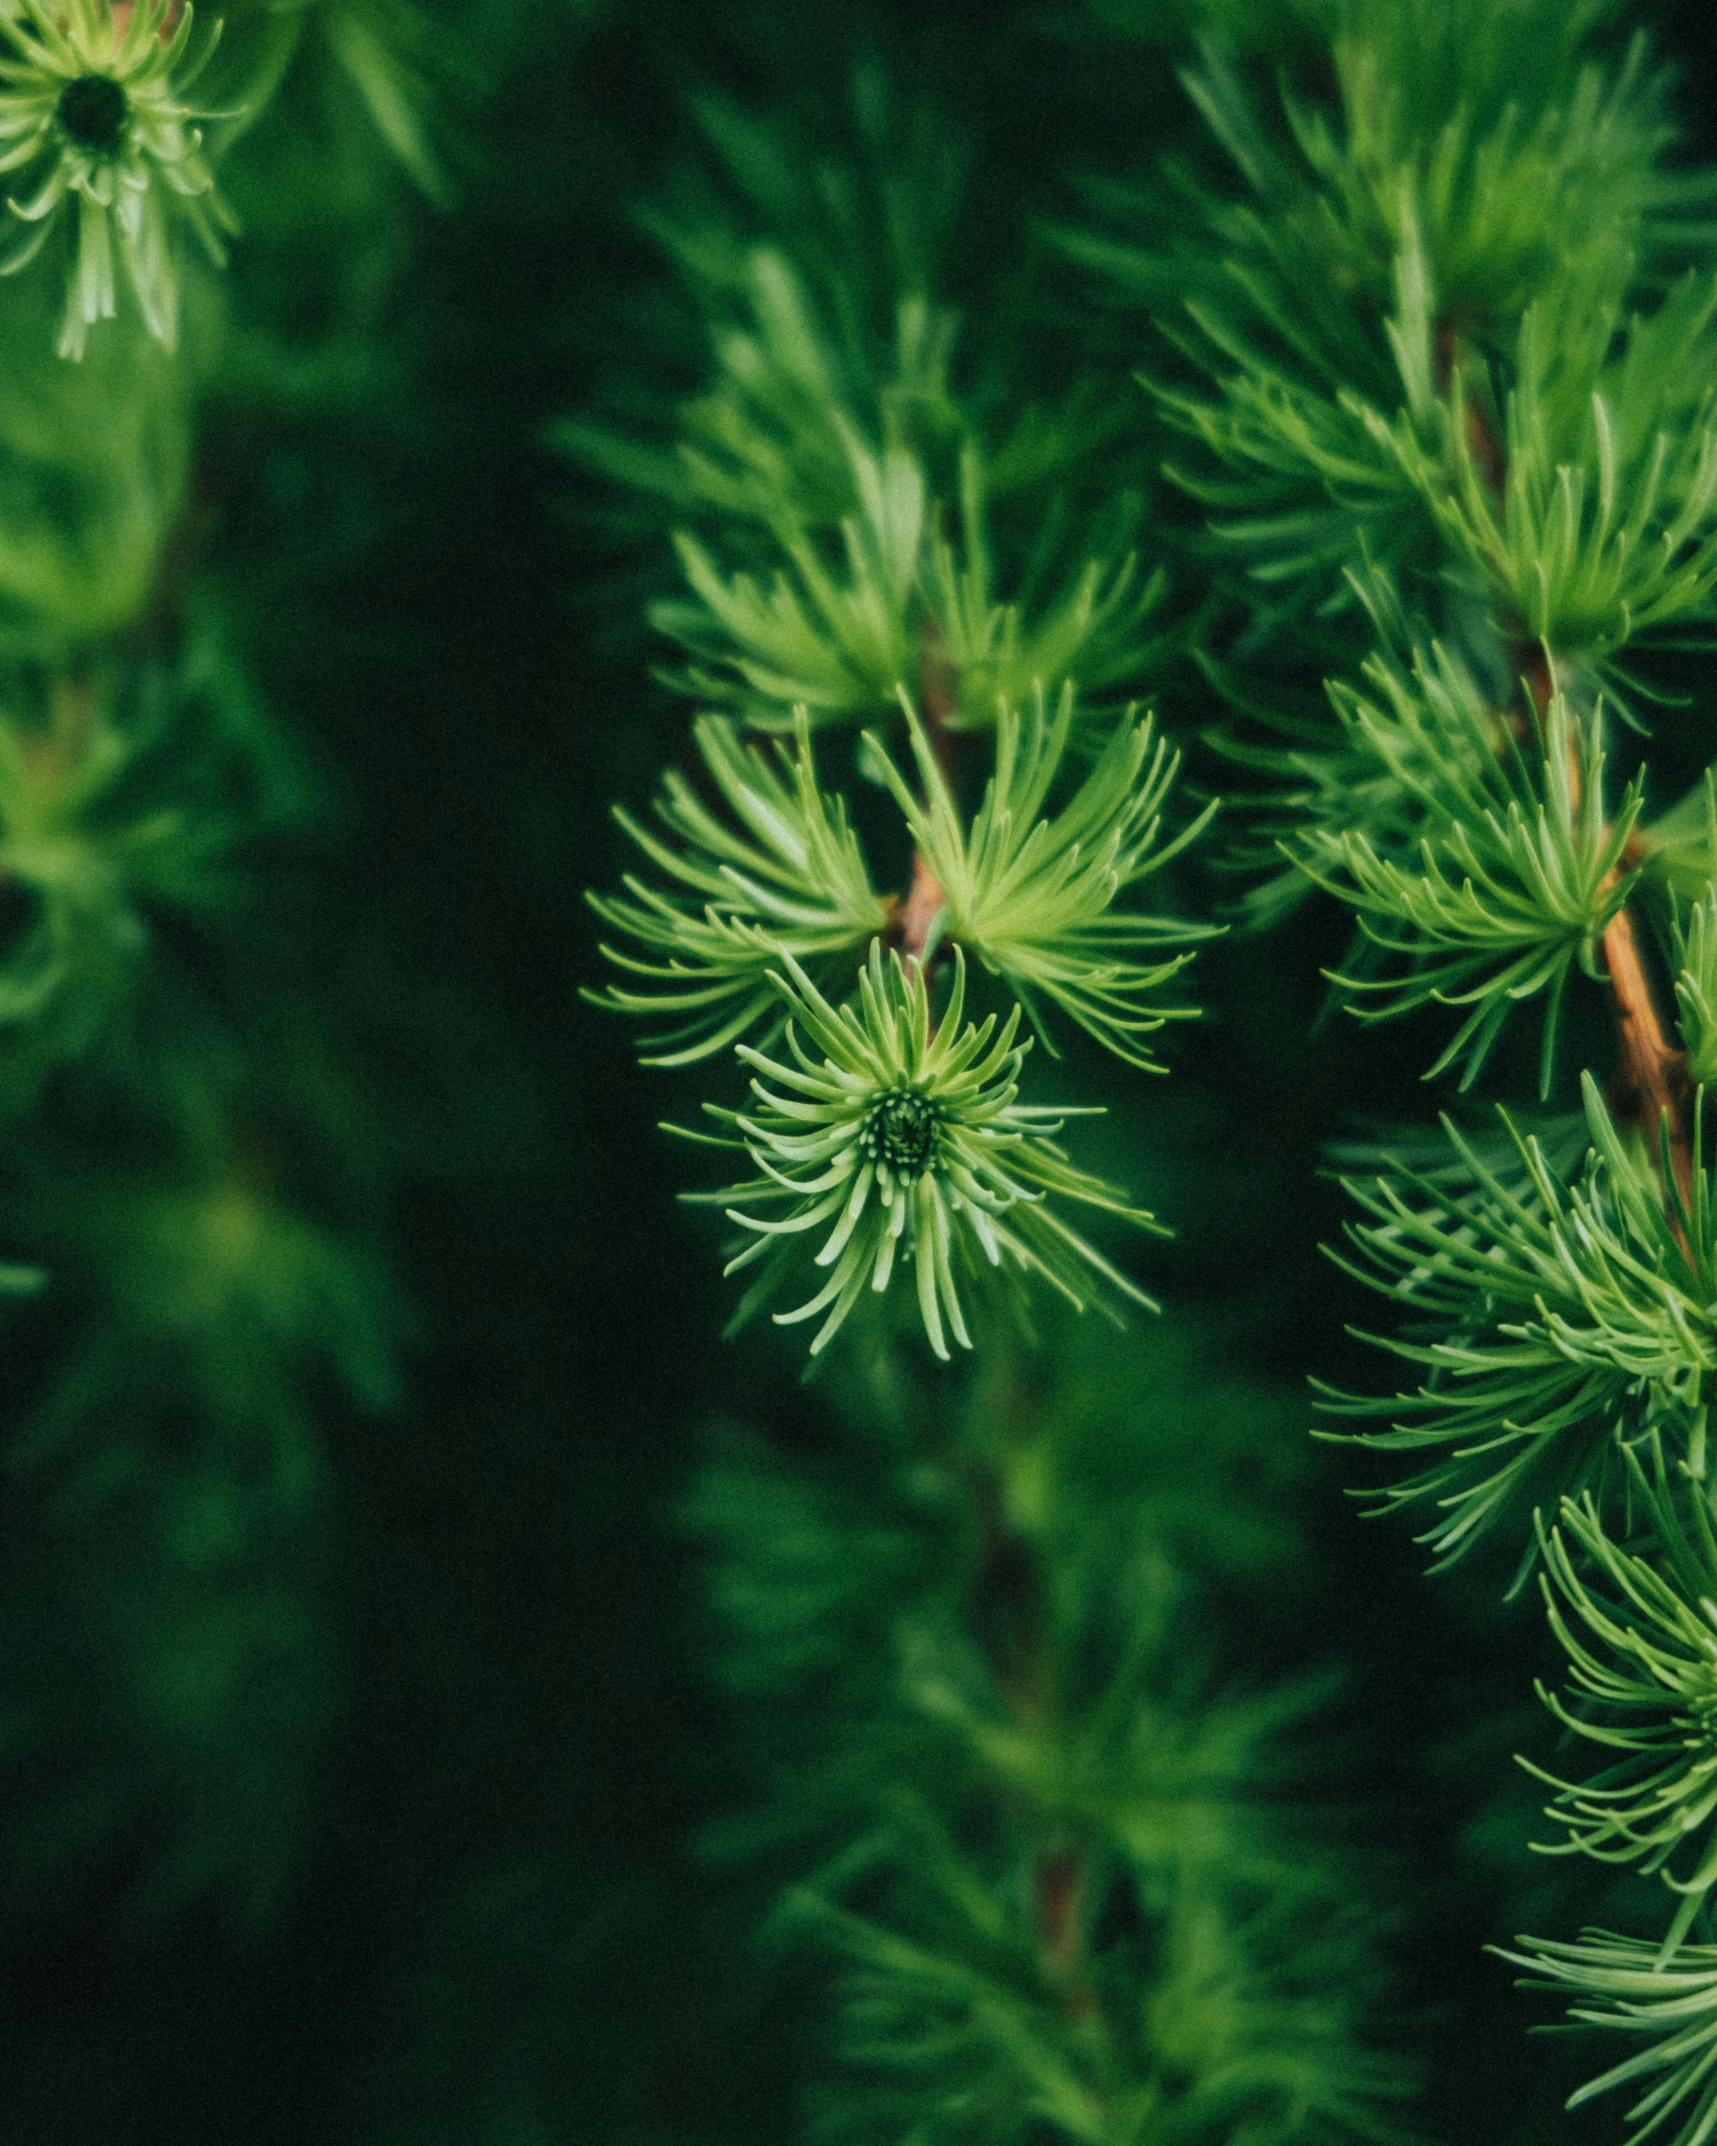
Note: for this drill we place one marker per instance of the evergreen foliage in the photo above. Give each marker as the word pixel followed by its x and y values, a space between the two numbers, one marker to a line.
pixel 980 436
pixel 1643 1649
pixel 790 881
pixel 192 1198
pixel 1491 877
pixel 909 1145
pixel 1443 373
pixel 1070 1885
pixel 92 109
pixel 1557 1307
pixel 1062 1882
pixel 1035 897
pixel 852 472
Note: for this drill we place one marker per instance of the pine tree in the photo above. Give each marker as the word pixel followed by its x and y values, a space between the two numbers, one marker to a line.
pixel 1065 1881
pixel 1425 337
pixel 1063 509
pixel 1438 353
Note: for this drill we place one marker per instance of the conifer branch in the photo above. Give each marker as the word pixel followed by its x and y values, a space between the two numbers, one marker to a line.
pixel 1055 1894
pixel 196 1173
pixel 1448 371
pixel 1651 1080
pixel 817 464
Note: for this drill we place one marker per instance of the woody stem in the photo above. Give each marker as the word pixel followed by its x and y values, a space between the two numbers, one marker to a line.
pixel 1651 1066
pixel 1652 1073
pixel 938 698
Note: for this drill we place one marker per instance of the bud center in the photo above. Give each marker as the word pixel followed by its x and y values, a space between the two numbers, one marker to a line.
pixel 902 1131
pixel 92 111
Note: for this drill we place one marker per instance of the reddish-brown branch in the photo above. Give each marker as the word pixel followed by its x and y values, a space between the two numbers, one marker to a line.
pixel 1058 1901
pixel 919 911
pixel 1651 1081
pixel 1009 1583
pixel 1653 1073
pixel 1650 1085
pixel 938 697
pixel 123 10
pixel 1482 443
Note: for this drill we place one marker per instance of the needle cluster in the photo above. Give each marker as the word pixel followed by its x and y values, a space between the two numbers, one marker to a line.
pixel 907 1142
pixel 1556 1315
pixel 832 505
pixel 1035 1849
pixel 1642 1659
pixel 1433 321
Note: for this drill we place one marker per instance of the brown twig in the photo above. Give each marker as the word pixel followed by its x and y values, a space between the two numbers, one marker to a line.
pixel 1651 1081
pixel 1058 1901
pixel 1653 1073
pixel 919 911
pixel 1486 449
pixel 938 697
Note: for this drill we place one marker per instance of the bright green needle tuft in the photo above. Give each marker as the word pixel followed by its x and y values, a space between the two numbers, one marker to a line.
pixel 905 1145
pixel 93 118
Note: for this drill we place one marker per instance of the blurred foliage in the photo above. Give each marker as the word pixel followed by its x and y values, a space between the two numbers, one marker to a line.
pixel 1074 1886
